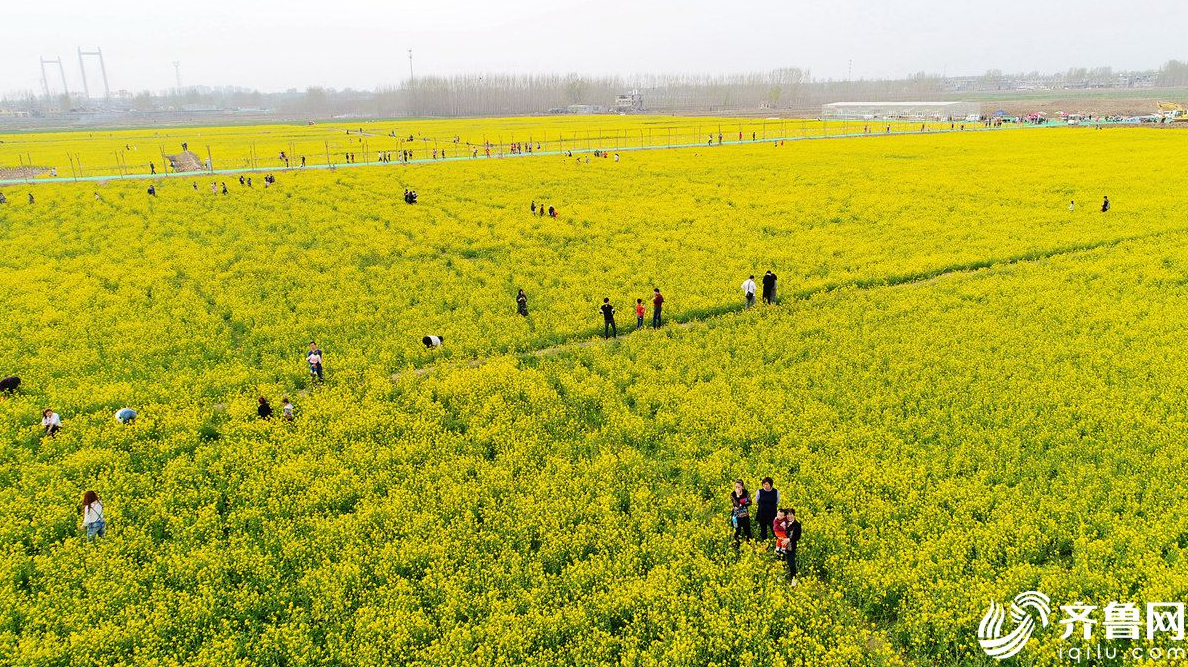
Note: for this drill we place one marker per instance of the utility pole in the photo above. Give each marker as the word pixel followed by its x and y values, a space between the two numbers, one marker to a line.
pixel 177 74
pixel 411 93
pixel 98 53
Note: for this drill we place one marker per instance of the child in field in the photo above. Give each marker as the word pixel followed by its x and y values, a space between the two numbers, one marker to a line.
pixel 639 313
pixel 287 409
pixel 780 527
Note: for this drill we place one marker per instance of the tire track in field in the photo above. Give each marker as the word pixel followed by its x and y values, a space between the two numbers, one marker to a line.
pixel 592 336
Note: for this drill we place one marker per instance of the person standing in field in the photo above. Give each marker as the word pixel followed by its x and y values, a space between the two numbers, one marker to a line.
pixel 769 287
pixel 92 516
pixel 50 422
pixel 152 169
pixel 314 357
pixel 3 199
pixel 287 409
pixel 1105 204
pixel 263 410
pixel 740 512
pixel 793 539
pixel 30 197
pixel 748 288
pixel 1072 205
pixel 533 207
pixel 152 190
pixel 657 304
pixel 639 314
pixel 522 303
pixel 767 501
pixel 608 319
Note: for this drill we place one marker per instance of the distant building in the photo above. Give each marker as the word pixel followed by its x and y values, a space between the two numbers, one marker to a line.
pixel 902 110
pixel 584 108
pixel 629 102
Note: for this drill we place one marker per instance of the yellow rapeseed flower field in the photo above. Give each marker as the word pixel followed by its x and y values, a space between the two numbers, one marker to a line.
pixel 967 390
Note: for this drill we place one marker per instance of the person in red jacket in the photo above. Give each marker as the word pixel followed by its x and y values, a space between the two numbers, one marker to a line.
pixel 657 302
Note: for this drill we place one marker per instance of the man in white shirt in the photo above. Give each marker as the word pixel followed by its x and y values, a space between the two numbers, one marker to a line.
pixel 748 289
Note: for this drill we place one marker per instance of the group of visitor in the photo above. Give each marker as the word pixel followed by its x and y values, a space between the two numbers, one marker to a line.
pixel 785 527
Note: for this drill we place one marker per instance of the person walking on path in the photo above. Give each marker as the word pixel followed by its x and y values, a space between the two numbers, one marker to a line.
pixel 92 516
pixel 51 422
pixel 263 410
pixel 657 303
pixel 314 357
pixel 1105 204
pixel 639 314
pixel 740 512
pixel 748 288
pixel 767 502
pixel 522 303
pixel 769 287
pixel 608 319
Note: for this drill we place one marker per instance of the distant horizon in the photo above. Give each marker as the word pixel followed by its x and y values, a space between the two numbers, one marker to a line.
pixel 363 44
pixel 95 82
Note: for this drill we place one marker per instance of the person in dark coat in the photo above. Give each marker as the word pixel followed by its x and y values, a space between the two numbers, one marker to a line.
pixel 769 287
pixel 608 319
pixel 522 303
pixel 767 503
pixel 9 384
pixel 793 539
pixel 264 410
pixel 1105 204
pixel 432 341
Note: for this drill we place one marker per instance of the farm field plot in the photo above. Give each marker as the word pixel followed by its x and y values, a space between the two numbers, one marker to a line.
pixel 968 391
pixel 109 153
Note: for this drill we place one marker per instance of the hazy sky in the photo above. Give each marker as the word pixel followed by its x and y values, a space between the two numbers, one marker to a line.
pixel 274 45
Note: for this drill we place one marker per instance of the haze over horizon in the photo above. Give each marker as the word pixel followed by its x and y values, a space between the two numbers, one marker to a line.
pixel 363 44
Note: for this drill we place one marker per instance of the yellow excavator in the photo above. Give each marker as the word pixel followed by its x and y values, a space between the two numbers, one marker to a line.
pixel 1172 111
